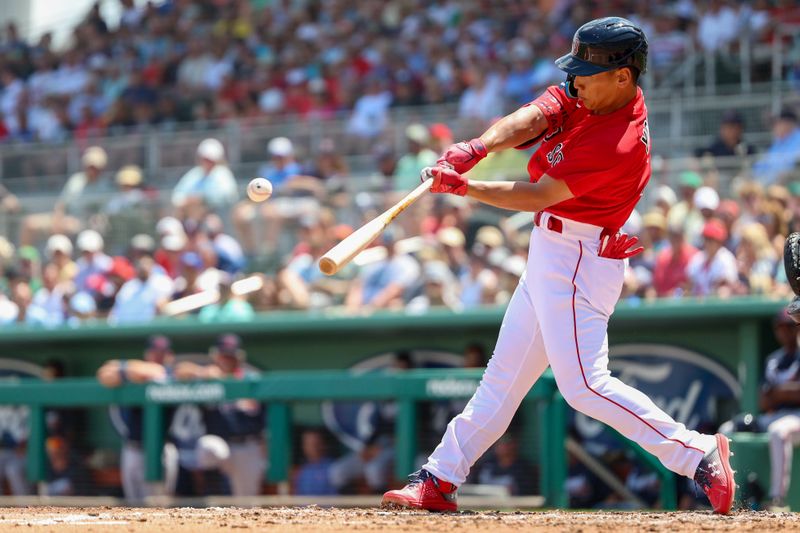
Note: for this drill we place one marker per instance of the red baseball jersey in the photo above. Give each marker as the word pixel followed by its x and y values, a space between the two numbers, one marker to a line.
pixel 604 159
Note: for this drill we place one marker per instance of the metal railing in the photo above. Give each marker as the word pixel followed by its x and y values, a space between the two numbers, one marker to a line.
pixel 679 123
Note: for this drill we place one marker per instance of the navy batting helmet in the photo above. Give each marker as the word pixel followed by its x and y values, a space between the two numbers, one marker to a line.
pixel 604 44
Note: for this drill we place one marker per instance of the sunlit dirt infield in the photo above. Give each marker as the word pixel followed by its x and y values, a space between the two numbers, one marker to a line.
pixel 308 519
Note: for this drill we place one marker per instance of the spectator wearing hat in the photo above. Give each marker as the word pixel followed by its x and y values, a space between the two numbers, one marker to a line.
pixel 282 165
pixel 141 244
pixel 779 163
pixel 684 213
pixel 92 259
pixel 141 298
pixel 156 365
pixel 664 199
pixel 168 255
pixel 728 212
pixel 441 137
pixel 729 142
pixel 58 252
pixel 654 239
pixel 129 194
pixel 209 186
pixel 452 241
pixel 757 259
pixel 418 156
pixel 751 198
pixel 281 170
pixel 706 202
pixel 235 442
pixel 129 209
pixel 49 304
pixel 712 271
pixel 81 197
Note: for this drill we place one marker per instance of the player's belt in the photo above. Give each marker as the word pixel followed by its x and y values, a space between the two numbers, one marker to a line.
pixel 553 223
pixel 557 225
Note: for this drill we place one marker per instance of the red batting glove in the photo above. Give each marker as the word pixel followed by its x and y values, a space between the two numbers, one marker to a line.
pixel 446 180
pixel 462 156
pixel 618 246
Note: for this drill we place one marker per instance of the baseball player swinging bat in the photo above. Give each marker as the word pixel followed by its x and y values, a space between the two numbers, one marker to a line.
pixel 344 252
pixel 585 178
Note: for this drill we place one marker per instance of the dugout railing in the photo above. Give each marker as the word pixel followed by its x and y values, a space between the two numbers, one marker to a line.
pixel 280 389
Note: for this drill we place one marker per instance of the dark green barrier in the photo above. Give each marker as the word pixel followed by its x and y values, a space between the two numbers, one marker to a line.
pixel 278 390
pixel 734 332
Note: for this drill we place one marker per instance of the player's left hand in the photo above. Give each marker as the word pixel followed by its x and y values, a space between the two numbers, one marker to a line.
pixel 445 180
pixel 619 246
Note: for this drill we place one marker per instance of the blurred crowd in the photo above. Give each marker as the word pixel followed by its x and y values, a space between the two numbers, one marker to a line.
pixel 210 61
pixel 114 249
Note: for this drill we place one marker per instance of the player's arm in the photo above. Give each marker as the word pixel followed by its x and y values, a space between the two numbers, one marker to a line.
pixel 518 128
pixel 188 371
pixel 513 195
pixel 115 373
pixel 522 127
pixel 518 195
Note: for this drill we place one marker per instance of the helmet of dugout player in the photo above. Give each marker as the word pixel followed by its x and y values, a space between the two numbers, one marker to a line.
pixel 601 45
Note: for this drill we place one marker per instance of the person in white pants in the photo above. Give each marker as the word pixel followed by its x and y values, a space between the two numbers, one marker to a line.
pixel 781 399
pixel 585 180
pixel 155 366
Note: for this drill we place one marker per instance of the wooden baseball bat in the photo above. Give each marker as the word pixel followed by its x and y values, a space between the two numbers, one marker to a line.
pixel 345 251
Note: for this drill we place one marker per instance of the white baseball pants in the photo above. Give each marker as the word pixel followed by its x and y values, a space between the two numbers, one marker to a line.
pixel 243 463
pixel 132 469
pixel 558 316
pixel 784 434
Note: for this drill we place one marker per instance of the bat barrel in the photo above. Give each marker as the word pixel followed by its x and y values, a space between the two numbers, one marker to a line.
pixel 328 266
pixel 352 245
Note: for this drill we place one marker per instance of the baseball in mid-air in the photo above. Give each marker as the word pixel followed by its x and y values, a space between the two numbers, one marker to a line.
pixel 259 189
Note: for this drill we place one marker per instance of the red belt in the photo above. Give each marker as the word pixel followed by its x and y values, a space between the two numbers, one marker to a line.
pixel 555 224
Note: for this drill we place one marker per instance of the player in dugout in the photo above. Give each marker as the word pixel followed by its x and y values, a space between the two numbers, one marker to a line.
pixel 157 365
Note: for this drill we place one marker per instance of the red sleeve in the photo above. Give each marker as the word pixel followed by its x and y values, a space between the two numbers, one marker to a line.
pixel 556 106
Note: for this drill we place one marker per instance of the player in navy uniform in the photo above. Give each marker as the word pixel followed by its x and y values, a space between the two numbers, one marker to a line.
pixel 235 441
pixel 156 366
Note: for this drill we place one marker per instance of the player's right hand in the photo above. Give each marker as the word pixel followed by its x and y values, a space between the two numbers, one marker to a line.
pixel 619 246
pixel 462 156
pixel 446 180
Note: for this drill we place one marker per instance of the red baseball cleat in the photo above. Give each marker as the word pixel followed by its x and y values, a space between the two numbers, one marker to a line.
pixel 715 477
pixel 424 491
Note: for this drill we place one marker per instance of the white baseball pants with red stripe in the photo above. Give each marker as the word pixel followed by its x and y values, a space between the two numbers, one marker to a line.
pixel 558 316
